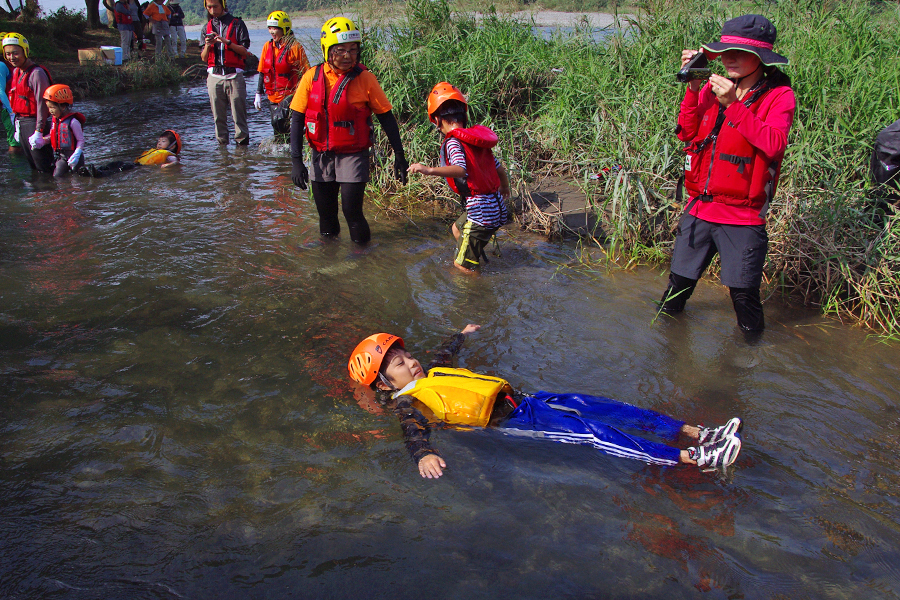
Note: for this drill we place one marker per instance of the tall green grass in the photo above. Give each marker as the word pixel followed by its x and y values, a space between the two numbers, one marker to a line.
pixel 98 79
pixel 577 106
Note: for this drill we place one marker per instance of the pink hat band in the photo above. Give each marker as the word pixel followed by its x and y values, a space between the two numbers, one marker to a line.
pixel 733 39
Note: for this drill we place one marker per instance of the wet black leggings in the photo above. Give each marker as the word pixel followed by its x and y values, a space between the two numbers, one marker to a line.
pixel 325 193
pixel 746 302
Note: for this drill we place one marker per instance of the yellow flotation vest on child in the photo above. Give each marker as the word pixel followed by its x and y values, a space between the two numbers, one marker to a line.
pixel 458 396
pixel 154 157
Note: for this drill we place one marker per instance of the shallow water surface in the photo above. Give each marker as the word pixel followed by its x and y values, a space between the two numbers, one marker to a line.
pixel 177 421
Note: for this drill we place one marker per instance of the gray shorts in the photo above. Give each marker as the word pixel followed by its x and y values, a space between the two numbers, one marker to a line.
pixel 741 249
pixel 342 168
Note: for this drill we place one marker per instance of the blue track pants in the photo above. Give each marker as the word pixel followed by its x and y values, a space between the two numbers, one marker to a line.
pixel 598 422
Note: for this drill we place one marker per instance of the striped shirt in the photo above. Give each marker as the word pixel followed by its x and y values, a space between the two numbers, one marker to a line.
pixel 486 210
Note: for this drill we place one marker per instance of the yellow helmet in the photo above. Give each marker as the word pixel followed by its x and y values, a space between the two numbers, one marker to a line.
pixel 16 39
pixel 279 18
pixel 338 30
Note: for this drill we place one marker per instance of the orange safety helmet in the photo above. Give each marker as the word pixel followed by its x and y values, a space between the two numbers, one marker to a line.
pixel 59 93
pixel 366 359
pixel 177 139
pixel 441 93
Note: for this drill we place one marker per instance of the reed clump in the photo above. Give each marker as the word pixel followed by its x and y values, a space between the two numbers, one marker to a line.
pixel 99 80
pixel 583 102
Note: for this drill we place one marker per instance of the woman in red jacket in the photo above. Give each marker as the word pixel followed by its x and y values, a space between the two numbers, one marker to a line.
pixel 737 129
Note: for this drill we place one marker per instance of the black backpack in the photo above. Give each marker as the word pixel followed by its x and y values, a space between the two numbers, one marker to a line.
pixel 885 163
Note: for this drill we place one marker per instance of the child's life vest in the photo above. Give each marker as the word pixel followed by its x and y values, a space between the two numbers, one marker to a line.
pixel 458 396
pixel 481 170
pixel 61 138
pixel 333 123
pixel 279 75
pixel 21 96
pixel 154 157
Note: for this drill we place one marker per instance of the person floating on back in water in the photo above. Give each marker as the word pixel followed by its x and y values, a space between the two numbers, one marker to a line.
pixel 461 397
pixel 168 147
pixel 472 171
pixel 66 136
pixel 737 129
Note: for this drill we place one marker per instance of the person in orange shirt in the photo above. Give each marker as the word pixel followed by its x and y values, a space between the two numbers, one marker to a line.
pixel 159 14
pixel 335 101
pixel 282 62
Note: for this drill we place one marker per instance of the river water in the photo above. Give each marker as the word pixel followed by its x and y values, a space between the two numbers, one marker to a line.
pixel 177 420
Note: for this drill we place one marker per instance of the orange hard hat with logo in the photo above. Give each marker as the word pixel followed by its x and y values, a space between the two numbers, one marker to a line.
pixel 441 93
pixel 366 359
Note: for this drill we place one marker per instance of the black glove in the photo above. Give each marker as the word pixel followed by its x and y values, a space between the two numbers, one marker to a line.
pixel 400 167
pixel 300 174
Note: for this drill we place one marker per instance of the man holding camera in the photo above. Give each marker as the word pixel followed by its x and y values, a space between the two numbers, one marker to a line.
pixel 225 41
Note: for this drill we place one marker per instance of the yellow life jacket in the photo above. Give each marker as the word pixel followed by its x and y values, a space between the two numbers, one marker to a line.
pixel 154 157
pixel 458 396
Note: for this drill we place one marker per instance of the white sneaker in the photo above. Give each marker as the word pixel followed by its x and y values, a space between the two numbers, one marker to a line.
pixel 719 455
pixel 709 436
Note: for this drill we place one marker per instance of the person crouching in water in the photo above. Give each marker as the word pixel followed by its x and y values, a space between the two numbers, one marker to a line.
pixel 737 129
pixel 334 104
pixel 282 62
pixel 472 171
pixel 66 136
pixel 26 96
pixel 461 397
pixel 168 147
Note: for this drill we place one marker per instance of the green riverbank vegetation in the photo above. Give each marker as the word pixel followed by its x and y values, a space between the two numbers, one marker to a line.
pixel 98 79
pixel 55 40
pixel 577 105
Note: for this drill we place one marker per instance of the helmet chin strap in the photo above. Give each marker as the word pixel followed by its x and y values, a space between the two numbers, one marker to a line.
pixel 386 381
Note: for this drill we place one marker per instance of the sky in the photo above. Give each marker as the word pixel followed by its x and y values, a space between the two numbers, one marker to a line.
pixel 49 6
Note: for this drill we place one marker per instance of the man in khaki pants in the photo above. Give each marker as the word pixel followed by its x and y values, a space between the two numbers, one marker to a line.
pixel 224 42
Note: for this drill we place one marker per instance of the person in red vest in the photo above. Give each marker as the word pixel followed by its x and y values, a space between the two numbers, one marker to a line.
pixel 282 62
pixel 26 96
pixel 469 165
pixel 335 101
pixel 736 128
pixel 124 23
pixel 66 136
pixel 224 42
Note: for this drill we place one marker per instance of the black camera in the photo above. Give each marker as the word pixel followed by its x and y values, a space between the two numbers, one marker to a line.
pixel 695 69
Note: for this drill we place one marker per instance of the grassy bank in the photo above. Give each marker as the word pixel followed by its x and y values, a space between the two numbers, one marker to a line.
pixel 575 106
pixel 56 39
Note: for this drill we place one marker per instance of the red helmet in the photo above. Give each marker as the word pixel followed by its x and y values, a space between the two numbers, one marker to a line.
pixel 366 359
pixel 177 137
pixel 441 93
pixel 59 93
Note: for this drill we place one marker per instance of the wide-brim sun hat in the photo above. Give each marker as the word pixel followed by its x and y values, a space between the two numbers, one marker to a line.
pixel 750 33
